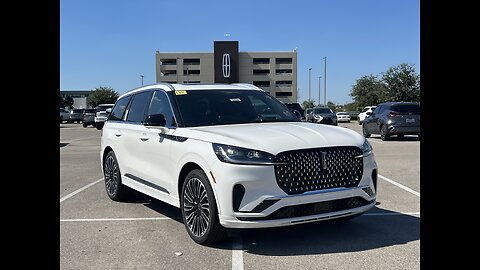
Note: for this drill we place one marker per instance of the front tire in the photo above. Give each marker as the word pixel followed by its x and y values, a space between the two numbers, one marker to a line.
pixel 199 209
pixel 113 179
pixel 84 125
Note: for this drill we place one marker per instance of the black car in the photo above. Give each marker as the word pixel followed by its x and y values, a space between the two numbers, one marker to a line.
pixel 324 115
pixel 393 118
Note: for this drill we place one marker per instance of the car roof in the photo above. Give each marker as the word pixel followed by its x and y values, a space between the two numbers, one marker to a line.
pixel 398 102
pixel 194 86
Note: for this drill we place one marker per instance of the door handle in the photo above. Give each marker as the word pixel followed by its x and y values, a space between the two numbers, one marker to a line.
pixel 144 137
pixel 118 133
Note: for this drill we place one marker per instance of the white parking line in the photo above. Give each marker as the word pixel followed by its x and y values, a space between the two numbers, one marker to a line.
pixel 400 185
pixel 375 141
pixel 237 254
pixel 112 219
pixel 79 190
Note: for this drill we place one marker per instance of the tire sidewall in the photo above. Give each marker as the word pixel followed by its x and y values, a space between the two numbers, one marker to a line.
pixel 213 213
pixel 115 195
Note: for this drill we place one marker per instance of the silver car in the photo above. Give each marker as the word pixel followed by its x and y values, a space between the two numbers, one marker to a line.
pixel 101 114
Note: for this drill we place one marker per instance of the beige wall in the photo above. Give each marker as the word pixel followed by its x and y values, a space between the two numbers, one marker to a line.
pixel 246 68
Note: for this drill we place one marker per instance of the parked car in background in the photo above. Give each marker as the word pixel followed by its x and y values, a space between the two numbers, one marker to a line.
pixel 88 117
pixel 76 115
pixel 296 106
pixel 324 115
pixel 343 117
pixel 363 114
pixel 296 113
pixel 393 118
pixel 308 115
pixel 101 114
pixel 63 115
pixel 232 156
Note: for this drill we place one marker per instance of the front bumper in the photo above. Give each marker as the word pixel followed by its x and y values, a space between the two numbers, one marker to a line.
pixel 261 187
pixel 100 119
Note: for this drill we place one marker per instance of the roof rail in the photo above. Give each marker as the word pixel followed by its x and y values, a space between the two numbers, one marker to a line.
pixel 249 85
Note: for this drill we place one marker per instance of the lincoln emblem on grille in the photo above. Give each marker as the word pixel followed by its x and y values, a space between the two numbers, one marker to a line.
pixel 324 160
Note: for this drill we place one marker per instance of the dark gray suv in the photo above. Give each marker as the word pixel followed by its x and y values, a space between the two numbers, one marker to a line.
pixel 393 118
pixel 324 115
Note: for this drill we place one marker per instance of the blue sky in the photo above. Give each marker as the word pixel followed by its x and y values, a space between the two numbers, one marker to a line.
pixel 111 43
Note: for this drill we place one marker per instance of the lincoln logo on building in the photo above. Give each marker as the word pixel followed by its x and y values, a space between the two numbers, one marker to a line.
pixel 226 65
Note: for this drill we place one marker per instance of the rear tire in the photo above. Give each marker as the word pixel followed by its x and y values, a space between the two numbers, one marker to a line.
pixel 384 133
pixel 199 209
pixel 84 125
pixel 113 179
pixel 366 134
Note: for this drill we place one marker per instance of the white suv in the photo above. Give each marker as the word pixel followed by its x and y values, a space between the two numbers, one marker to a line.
pixel 363 114
pixel 101 114
pixel 233 156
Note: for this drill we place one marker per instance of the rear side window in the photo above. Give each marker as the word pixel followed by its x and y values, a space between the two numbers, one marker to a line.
pixel 136 112
pixel 119 108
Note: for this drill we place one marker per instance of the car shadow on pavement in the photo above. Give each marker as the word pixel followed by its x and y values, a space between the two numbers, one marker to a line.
pixel 156 205
pixel 412 138
pixel 386 228
pixel 63 144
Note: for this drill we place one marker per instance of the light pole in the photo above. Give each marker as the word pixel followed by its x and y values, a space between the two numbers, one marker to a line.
pixel 319 79
pixel 309 80
pixel 177 68
pixel 325 81
pixel 142 79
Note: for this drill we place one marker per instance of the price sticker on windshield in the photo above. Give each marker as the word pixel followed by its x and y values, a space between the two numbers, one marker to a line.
pixel 180 92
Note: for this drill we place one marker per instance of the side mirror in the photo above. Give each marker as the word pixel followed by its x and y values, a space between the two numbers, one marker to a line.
pixel 155 120
pixel 369 113
pixel 109 110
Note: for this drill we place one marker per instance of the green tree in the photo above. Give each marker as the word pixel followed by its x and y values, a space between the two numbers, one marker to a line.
pixel 368 91
pixel 102 95
pixel 332 106
pixel 402 83
pixel 68 102
pixel 62 102
pixel 309 103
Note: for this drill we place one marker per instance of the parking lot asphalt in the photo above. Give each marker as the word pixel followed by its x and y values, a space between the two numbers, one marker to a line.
pixel 144 233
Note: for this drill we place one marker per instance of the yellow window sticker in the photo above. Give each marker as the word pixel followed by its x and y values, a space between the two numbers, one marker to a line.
pixel 180 92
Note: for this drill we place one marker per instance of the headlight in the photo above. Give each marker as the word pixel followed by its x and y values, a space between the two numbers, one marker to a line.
pixel 238 155
pixel 367 148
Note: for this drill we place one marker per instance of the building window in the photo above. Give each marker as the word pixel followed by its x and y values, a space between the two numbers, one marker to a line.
pixel 261 71
pixel 170 82
pixel 261 83
pixel 191 72
pixel 166 62
pixel 283 83
pixel 284 60
pixel 169 72
pixel 283 94
pixel 261 60
pixel 191 61
pixel 191 81
pixel 283 71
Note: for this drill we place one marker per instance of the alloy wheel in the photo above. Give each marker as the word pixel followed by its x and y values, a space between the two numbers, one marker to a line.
pixel 111 175
pixel 196 207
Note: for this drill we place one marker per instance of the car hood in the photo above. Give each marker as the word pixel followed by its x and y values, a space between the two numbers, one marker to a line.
pixel 275 137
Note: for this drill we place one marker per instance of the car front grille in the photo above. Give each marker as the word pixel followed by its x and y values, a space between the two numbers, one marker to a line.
pixel 318 169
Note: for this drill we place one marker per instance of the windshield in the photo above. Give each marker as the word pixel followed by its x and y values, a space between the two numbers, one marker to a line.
pixel 224 107
pixel 322 110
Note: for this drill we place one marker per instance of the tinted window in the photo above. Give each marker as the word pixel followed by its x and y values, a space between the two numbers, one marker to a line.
pixel 136 113
pixel 377 110
pixel 160 105
pixel 365 109
pixel 119 108
pixel 78 111
pixel 102 108
pixel 322 110
pixel 406 108
pixel 89 110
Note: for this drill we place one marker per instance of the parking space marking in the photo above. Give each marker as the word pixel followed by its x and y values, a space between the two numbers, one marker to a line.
pixel 114 219
pixel 79 190
pixel 400 185
pixel 79 139
pixel 237 254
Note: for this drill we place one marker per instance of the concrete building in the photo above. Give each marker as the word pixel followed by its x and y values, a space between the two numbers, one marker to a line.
pixel 79 97
pixel 274 72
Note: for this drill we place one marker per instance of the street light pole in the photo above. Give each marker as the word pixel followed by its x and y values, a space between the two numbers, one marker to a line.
pixel 309 80
pixel 319 95
pixel 142 79
pixel 325 81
